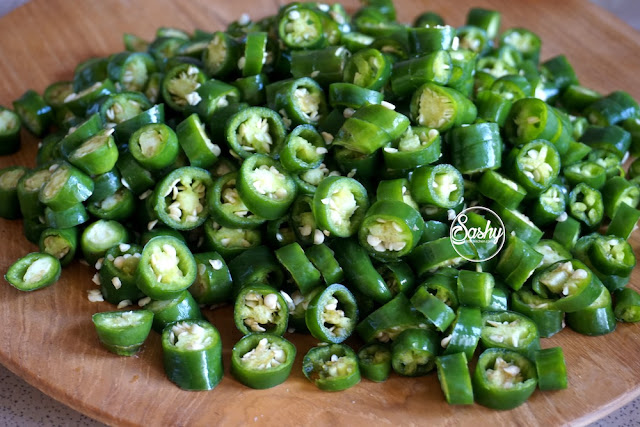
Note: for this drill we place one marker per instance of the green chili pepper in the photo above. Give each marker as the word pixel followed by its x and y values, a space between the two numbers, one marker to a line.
pixel 567 232
pixel 535 165
pixel 576 152
pixel 503 379
pixel 227 208
pixel 348 95
pixel 464 332
pixel 517 262
pixel 168 312
pixel 262 361
pixel 325 65
pixel 430 256
pixel 10 125
pixel 66 218
pixel 300 101
pixel 301 27
pixel 428 19
pixel 627 305
pixel 551 369
pixel 99 237
pixel 414 351
pixel 322 257
pixel 551 252
pixel 501 189
pixel 441 108
pixel 610 138
pixel 475 288
pixel 332 314
pixel 339 205
pixel 82 132
pixel 454 378
pixel 265 187
pixel 66 187
pixel 476 148
pixel 368 68
pixel 118 206
pixel 517 223
pixel 596 319
pixel 117 108
pixel 33 271
pixel 213 283
pixel 154 146
pixel 374 361
pixel 612 255
pixel 166 268
pixel 510 330
pixel 34 113
pixel 618 191
pixel 303 149
pixel 359 271
pixel 493 107
pixel 332 367
pixel 125 129
pixel 416 147
pixel 361 136
pixel 256 265
pixel 179 200
pixel 61 243
pixel 300 269
pixel 429 39
pixel 221 55
pixel 441 185
pixel 260 308
pixel 89 72
pixel 123 333
pixel 49 151
pixel 611 109
pixel 55 94
pixel 591 173
pixel 97 155
pixel 80 101
pixel 430 67
pixel 571 282
pixel 9 178
pixel 385 323
pixel 255 129
pixel 180 85
pixel 252 89
pixel 500 298
pixel 433 308
pixel 116 274
pixel 585 205
pixel 192 354
pixel 622 224
pixel 390 229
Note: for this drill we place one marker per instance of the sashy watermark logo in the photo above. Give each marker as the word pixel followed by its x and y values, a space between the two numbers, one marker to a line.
pixel 487 239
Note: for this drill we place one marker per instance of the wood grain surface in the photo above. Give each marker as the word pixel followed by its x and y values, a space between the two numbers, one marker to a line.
pixel 49 340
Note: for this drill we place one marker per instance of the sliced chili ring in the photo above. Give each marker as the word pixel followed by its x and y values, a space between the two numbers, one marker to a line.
pixel 332 367
pixel 332 314
pixel 571 282
pixel 180 198
pixel 260 308
pixel 265 187
pixel 33 271
pixel 262 361
pixel 166 268
pixel 390 229
pixel 255 130
pixel 339 205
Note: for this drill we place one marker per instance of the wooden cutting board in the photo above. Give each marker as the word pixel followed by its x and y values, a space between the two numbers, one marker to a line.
pixel 48 338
